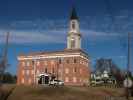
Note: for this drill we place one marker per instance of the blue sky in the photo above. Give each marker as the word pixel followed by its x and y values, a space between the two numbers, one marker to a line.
pixel 42 25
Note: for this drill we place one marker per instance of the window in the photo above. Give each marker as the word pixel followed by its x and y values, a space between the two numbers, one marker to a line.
pixel 66 79
pixel 66 70
pixel 75 69
pixel 52 70
pixel 72 43
pixel 22 81
pixel 80 71
pixel 59 70
pixel 32 71
pixel 33 63
pixel 38 63
pixel 45 63
pixel 52 62
pixel 46 70
pixel 23 63
pixel 27 72
pixel 75 61
pixel 38 71
pixel 29 81
pixel 80 61
pixel 23 72
pixel 28 63
pixel 73 25
pixel 67 61
pixel 59 61
pixel 74 79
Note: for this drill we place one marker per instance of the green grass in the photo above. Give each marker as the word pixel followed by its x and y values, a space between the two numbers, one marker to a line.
pixel 63 93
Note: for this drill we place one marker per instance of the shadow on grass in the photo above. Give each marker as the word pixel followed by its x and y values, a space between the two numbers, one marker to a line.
pixel 5 94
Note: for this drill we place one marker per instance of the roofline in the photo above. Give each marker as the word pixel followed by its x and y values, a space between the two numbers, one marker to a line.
pixel 58 52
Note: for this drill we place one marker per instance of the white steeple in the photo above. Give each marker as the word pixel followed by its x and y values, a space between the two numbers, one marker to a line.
pixel 74 36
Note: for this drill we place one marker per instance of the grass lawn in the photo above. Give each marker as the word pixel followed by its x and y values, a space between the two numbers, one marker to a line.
pixel 64 93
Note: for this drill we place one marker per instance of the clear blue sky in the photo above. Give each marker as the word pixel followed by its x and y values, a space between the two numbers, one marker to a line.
pixel 42 25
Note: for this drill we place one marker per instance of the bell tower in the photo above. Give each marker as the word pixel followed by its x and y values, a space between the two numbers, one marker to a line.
pixel 74 35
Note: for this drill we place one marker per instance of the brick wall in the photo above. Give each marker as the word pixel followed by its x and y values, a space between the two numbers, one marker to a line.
pixel 72 70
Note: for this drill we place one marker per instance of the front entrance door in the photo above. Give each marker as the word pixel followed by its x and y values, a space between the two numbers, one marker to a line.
pixel 46 79
pixel 43 79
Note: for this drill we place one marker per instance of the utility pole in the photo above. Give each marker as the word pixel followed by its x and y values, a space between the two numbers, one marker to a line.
pixel 128 65
pixel 129 53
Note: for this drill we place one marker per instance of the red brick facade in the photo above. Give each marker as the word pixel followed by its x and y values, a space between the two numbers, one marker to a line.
pixel 71 66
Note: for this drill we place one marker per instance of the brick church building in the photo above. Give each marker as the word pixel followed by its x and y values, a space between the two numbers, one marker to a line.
pixel 71 65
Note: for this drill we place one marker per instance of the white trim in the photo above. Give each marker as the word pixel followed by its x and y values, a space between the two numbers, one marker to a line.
pixel 43 57
pixel 43 74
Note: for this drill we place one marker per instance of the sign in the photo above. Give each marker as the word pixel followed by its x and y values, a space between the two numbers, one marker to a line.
pixel 128 83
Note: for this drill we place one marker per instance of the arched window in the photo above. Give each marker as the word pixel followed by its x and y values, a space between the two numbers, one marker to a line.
pixel 72 43
pixel 73 25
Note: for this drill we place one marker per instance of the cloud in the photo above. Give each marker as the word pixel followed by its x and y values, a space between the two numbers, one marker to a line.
pixel 121 23
pixel 93 28
pixel 54 36
pixel 94 37
pixel 116 23
pixel 19 37
pixel 39 24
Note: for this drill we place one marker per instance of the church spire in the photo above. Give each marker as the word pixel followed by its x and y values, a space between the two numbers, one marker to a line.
pixel 73 14
pixel 74 35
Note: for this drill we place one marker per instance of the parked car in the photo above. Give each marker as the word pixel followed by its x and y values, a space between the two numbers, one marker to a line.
pixel 56 82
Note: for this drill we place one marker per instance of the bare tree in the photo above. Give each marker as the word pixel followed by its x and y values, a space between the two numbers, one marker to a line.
pixel 108 65
pixel 3 60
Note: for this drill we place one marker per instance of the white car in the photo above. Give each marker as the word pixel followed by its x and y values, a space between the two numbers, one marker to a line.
pixel 56 82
